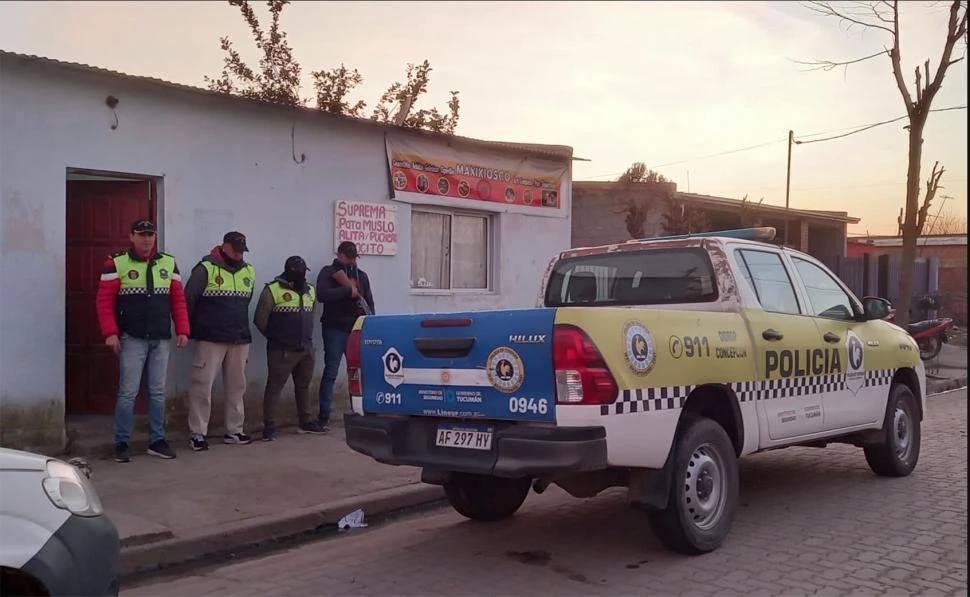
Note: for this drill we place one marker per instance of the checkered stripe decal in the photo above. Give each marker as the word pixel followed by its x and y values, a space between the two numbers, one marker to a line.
pixel 881 377
pixel 230 293
pixel 667 398
pixel 130 291
pixel 286 309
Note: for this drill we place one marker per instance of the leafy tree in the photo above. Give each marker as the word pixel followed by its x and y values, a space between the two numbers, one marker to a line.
pixel 882 17
pixel 638 172
pixel 635 209
pixel 681 217
pixel 277 79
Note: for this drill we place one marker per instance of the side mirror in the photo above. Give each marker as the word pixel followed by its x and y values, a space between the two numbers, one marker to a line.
pixel 875 307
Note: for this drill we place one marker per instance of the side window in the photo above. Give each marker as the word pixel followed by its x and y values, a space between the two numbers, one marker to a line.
pixel 766 274
pixel 825 295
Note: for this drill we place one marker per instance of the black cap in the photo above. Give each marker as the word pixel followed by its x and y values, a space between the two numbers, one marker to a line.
pixel 143 226
pixel 295 264
pixel 237 240
pixel 347 248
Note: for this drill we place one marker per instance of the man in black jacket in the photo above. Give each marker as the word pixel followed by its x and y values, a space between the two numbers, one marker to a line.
pixel 284 314
pixel 341 308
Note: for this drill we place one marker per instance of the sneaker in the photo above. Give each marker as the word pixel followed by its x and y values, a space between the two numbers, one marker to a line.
pixel 269 434
pixel 199 443
pixel 122 454
pixel 324 426
pixel 236 438
pixel 311 427
pixel 161 449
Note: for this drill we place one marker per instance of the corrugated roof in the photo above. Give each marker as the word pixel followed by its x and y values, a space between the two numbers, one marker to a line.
pixel 727 202
pixel 558 152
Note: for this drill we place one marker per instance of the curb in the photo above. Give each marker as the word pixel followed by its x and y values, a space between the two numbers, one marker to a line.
pixel 225 540
pixel 937 387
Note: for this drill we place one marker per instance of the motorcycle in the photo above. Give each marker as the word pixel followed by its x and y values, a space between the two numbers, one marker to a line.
pixel 929 334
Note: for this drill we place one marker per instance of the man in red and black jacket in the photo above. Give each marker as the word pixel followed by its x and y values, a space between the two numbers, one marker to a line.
pixel 139 296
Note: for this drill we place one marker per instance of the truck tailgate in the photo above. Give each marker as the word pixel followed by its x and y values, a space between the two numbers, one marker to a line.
pixel 477 365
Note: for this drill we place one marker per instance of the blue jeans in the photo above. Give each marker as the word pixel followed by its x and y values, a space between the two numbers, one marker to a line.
pixel 334 347
pixel 135 355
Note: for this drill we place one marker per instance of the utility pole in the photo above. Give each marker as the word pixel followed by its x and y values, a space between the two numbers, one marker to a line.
pixel 791 138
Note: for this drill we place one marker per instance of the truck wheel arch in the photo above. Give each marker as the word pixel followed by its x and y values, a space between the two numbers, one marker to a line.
pixel 908 378
pixel 719 403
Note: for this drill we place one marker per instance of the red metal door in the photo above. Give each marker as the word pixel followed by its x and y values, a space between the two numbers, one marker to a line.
pixel 99 217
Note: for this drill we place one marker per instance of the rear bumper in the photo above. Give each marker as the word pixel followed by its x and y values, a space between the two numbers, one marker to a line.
pixel 517 451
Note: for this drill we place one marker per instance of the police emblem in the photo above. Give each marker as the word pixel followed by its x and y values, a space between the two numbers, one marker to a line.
pixel 132 274
pixel 219 280
pixel 247 282
pixel 287 296
pixel 505 369
pixel 855 377
pixel 163 274
pixel 640 352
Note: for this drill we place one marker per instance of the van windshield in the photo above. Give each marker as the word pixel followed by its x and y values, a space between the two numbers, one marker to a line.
pixel 647 277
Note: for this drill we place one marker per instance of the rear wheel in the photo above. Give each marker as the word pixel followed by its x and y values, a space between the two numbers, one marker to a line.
pixel 16 583
pixel 930 347
pixel 486 498
pixel 704 490
pixel 898 453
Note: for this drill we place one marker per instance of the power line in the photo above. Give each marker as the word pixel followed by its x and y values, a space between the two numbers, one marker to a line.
pixel 853 129
pixel 866 127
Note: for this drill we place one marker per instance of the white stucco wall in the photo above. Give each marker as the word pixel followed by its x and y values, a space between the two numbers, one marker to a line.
pixel 225 165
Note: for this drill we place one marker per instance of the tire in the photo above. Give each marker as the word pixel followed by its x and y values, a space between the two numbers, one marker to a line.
pixel 15 583
pixel 486 498
pixel 930 348
pixel 705 474
pixel 898 453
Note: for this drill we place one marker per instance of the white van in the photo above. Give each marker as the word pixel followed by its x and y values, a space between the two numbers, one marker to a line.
pixel 54 536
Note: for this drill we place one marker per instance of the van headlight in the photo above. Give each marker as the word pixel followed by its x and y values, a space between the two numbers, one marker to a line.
pixel 69 490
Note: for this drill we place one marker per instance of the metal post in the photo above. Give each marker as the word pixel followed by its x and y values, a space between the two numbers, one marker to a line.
pixel 791 138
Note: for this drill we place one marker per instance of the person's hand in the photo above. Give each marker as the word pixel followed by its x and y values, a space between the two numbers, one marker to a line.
pixel 114 343
pixel 354 293
pixel 181 341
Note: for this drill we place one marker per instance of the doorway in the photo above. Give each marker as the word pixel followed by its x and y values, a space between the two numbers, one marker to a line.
pixel 100 209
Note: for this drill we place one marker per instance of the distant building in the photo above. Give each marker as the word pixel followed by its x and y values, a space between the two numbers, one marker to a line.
pixel 951 253
pixel 599 212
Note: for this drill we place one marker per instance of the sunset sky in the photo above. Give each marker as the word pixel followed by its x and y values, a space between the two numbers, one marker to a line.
pixel 669 84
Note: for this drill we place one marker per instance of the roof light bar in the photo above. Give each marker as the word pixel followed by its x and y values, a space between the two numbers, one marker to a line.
pixel 764 234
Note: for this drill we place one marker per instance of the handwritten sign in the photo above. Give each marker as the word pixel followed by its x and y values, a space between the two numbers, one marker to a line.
pixel 371 226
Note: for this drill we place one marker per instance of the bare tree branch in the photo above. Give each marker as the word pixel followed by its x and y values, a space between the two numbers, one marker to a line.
pixel 932 186
pixel 829 65
pixel 894 55
pixel 828 10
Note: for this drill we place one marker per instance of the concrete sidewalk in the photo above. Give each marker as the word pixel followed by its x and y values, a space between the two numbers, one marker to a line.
pixel 207 503
pixel 948 370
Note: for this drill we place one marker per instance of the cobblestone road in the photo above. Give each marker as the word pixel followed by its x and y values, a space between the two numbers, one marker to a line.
pixel 812 521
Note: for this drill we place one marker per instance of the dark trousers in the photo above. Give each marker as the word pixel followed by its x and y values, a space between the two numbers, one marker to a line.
pixel 283 364
pixel 334 347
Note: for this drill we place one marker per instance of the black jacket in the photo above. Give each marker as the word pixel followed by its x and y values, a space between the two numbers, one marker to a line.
pixel 221 319
pixel 289 331
pixel 340 311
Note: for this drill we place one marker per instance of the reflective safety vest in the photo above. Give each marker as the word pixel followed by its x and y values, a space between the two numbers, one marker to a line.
pixel 143 308
pixel 290 325
pixel 221 313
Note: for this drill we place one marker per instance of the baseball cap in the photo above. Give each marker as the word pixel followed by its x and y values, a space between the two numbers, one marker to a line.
pixel 143 226
pixel 295 264
pixel 347 248
pixel 237 240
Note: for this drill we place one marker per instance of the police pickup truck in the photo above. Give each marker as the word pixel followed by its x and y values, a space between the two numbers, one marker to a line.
pixel 652 365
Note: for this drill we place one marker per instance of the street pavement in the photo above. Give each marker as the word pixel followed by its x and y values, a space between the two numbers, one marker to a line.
pixel 812 521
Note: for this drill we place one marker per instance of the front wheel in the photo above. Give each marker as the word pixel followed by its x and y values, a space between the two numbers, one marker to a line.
pixel 704 489
pixel 898 452
pixel 930 348
pixel 486 498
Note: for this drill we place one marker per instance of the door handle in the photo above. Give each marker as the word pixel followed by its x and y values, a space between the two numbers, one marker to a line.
pixel 830 337
pixel 772 335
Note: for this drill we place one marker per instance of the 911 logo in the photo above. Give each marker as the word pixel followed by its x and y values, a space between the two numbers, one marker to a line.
pixel 388 398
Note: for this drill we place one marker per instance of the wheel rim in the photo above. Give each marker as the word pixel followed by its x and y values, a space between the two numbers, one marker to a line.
pixel 902 433
pixel 705 487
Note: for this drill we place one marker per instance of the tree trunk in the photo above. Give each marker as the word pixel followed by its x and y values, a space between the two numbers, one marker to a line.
pixel 910 220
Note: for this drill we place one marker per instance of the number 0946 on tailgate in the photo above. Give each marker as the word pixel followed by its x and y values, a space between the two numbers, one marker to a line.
pixel 470 438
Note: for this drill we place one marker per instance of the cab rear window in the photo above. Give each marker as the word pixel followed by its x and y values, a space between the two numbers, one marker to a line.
pixel 647 277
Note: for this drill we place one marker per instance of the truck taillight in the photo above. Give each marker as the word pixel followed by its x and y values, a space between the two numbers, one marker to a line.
pixel 353 363
pixel 582 376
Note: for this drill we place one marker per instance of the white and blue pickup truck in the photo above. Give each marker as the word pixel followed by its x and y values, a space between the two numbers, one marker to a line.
pixel 652 365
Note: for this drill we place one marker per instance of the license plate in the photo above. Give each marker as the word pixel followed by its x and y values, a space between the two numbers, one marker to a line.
pixel 467 438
